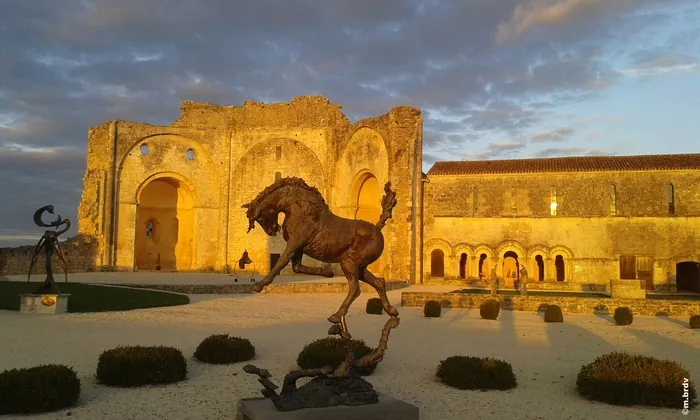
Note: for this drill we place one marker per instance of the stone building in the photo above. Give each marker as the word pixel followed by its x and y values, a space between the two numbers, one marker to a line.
pixel 574 222
pixel 170 197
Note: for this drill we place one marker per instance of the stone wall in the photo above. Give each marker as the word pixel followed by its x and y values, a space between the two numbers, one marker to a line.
pixel 648 307
pixel 223 156
pixel 588 231
pixel 79 253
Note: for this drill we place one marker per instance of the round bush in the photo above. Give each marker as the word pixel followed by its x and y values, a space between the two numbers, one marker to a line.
pixel 620 378
pixel 127 366
pixel 221 349
pixel 623 315
pixel 466 372
pixel 490 309
pixel 432 309
pixel 330 351
pixel 374 306
pixel 553 314
pixel 694 321
pixel 38 389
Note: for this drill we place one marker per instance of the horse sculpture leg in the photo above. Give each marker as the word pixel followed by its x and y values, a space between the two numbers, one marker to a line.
pixel 281 263
pixel 380 286
pixel 299 268
pixel 351 271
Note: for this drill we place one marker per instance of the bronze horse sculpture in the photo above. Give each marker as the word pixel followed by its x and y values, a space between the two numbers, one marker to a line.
pixel 310 228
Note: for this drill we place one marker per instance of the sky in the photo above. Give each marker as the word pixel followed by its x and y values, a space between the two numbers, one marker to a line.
pixel 495 79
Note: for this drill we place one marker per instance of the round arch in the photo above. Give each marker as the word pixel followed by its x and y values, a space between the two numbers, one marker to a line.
pixel 366 196
pixel 485 260
pixel 464 260
pixel 537 267
pixel 445 248
pixel 186 183
pixel 561 268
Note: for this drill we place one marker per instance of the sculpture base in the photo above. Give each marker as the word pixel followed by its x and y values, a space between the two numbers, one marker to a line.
pixel 387 408
pixel 31 303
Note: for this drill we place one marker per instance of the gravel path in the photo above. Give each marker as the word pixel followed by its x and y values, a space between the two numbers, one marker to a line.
pixel 546 357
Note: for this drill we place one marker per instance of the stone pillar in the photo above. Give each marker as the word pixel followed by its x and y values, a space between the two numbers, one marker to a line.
pixel 549 270
pixel 473 267
pixel 450 263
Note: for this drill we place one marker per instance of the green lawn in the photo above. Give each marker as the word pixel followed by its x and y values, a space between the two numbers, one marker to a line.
pixel 89 298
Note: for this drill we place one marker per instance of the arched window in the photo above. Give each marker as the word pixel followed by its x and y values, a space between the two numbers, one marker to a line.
pixel 463 266
pixel 613 200
pixel 278 176
pixel 553 202
pixel 437 263
pixel 475 201
pixel 278 152
pixel 559 265
pixel 540 267
pixel 514 201
pixel 149 228
pixel 671 200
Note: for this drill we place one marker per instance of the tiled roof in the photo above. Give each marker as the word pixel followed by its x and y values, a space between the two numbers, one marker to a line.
pixel 568 164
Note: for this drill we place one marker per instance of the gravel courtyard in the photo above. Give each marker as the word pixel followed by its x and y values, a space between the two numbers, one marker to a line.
pixel 545 357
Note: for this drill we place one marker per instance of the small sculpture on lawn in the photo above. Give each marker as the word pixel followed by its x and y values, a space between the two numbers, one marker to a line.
pixel 310 228
pixel 49 242
pixel 242 262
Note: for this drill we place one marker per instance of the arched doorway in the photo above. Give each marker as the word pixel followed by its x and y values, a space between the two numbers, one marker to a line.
pixel 539 263
pixel 511 268
pixel 367 197
pixel 164 226
pixel 688 277
pixel 559 265
pixel 437 263
pixel 463 266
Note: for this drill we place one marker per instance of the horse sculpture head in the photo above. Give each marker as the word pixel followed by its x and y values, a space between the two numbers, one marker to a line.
pixel 266 216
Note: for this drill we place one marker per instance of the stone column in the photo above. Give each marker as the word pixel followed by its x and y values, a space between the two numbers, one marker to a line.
pixel 473 267
pixel 549 270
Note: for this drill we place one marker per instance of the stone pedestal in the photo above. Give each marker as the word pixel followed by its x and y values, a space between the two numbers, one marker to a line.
pixel 31 303
pixel 387 408
pixel 627 289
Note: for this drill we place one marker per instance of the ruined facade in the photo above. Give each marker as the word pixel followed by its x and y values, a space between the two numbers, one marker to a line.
pixel 169 197
pixel 573 223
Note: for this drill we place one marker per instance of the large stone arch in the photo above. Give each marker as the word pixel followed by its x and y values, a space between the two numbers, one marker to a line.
pixel 364 153
pixel 167 158
pixel 255 170
pixel 165 238
pixel 366 196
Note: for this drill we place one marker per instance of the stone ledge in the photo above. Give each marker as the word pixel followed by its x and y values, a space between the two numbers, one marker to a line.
pixel 387 408
pixel 284 288
pixel 647 307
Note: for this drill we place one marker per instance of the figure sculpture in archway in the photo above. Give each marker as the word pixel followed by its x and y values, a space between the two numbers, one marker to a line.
pixel 310 228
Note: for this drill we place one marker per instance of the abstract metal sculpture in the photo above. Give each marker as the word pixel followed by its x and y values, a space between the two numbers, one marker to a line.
pixel 310 228
pixel 49 242
pixel 242 262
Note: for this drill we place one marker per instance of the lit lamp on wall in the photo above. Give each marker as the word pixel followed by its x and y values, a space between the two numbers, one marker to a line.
pixel 245 259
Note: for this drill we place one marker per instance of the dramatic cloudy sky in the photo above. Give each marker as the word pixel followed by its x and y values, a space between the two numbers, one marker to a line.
pixel 495 78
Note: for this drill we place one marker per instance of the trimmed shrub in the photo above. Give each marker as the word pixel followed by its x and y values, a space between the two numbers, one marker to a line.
pixel 620 378
pixel 127 366
pixel 432 309
pixel 623 315
pixel 221 349
pixel 330 351
pixel 490 309
pixel 374 306
pixel 553 314
pixel 694 321
pixel 466 372
pixel 38 389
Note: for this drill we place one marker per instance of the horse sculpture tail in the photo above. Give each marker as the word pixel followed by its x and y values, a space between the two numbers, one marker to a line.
pixel 388 204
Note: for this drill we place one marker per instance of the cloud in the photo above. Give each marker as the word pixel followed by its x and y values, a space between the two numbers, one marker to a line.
pixel 656 63
pixel 557 134
pixel 67 66
pixel 570 151
pixel 535 14
pixel 499 150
